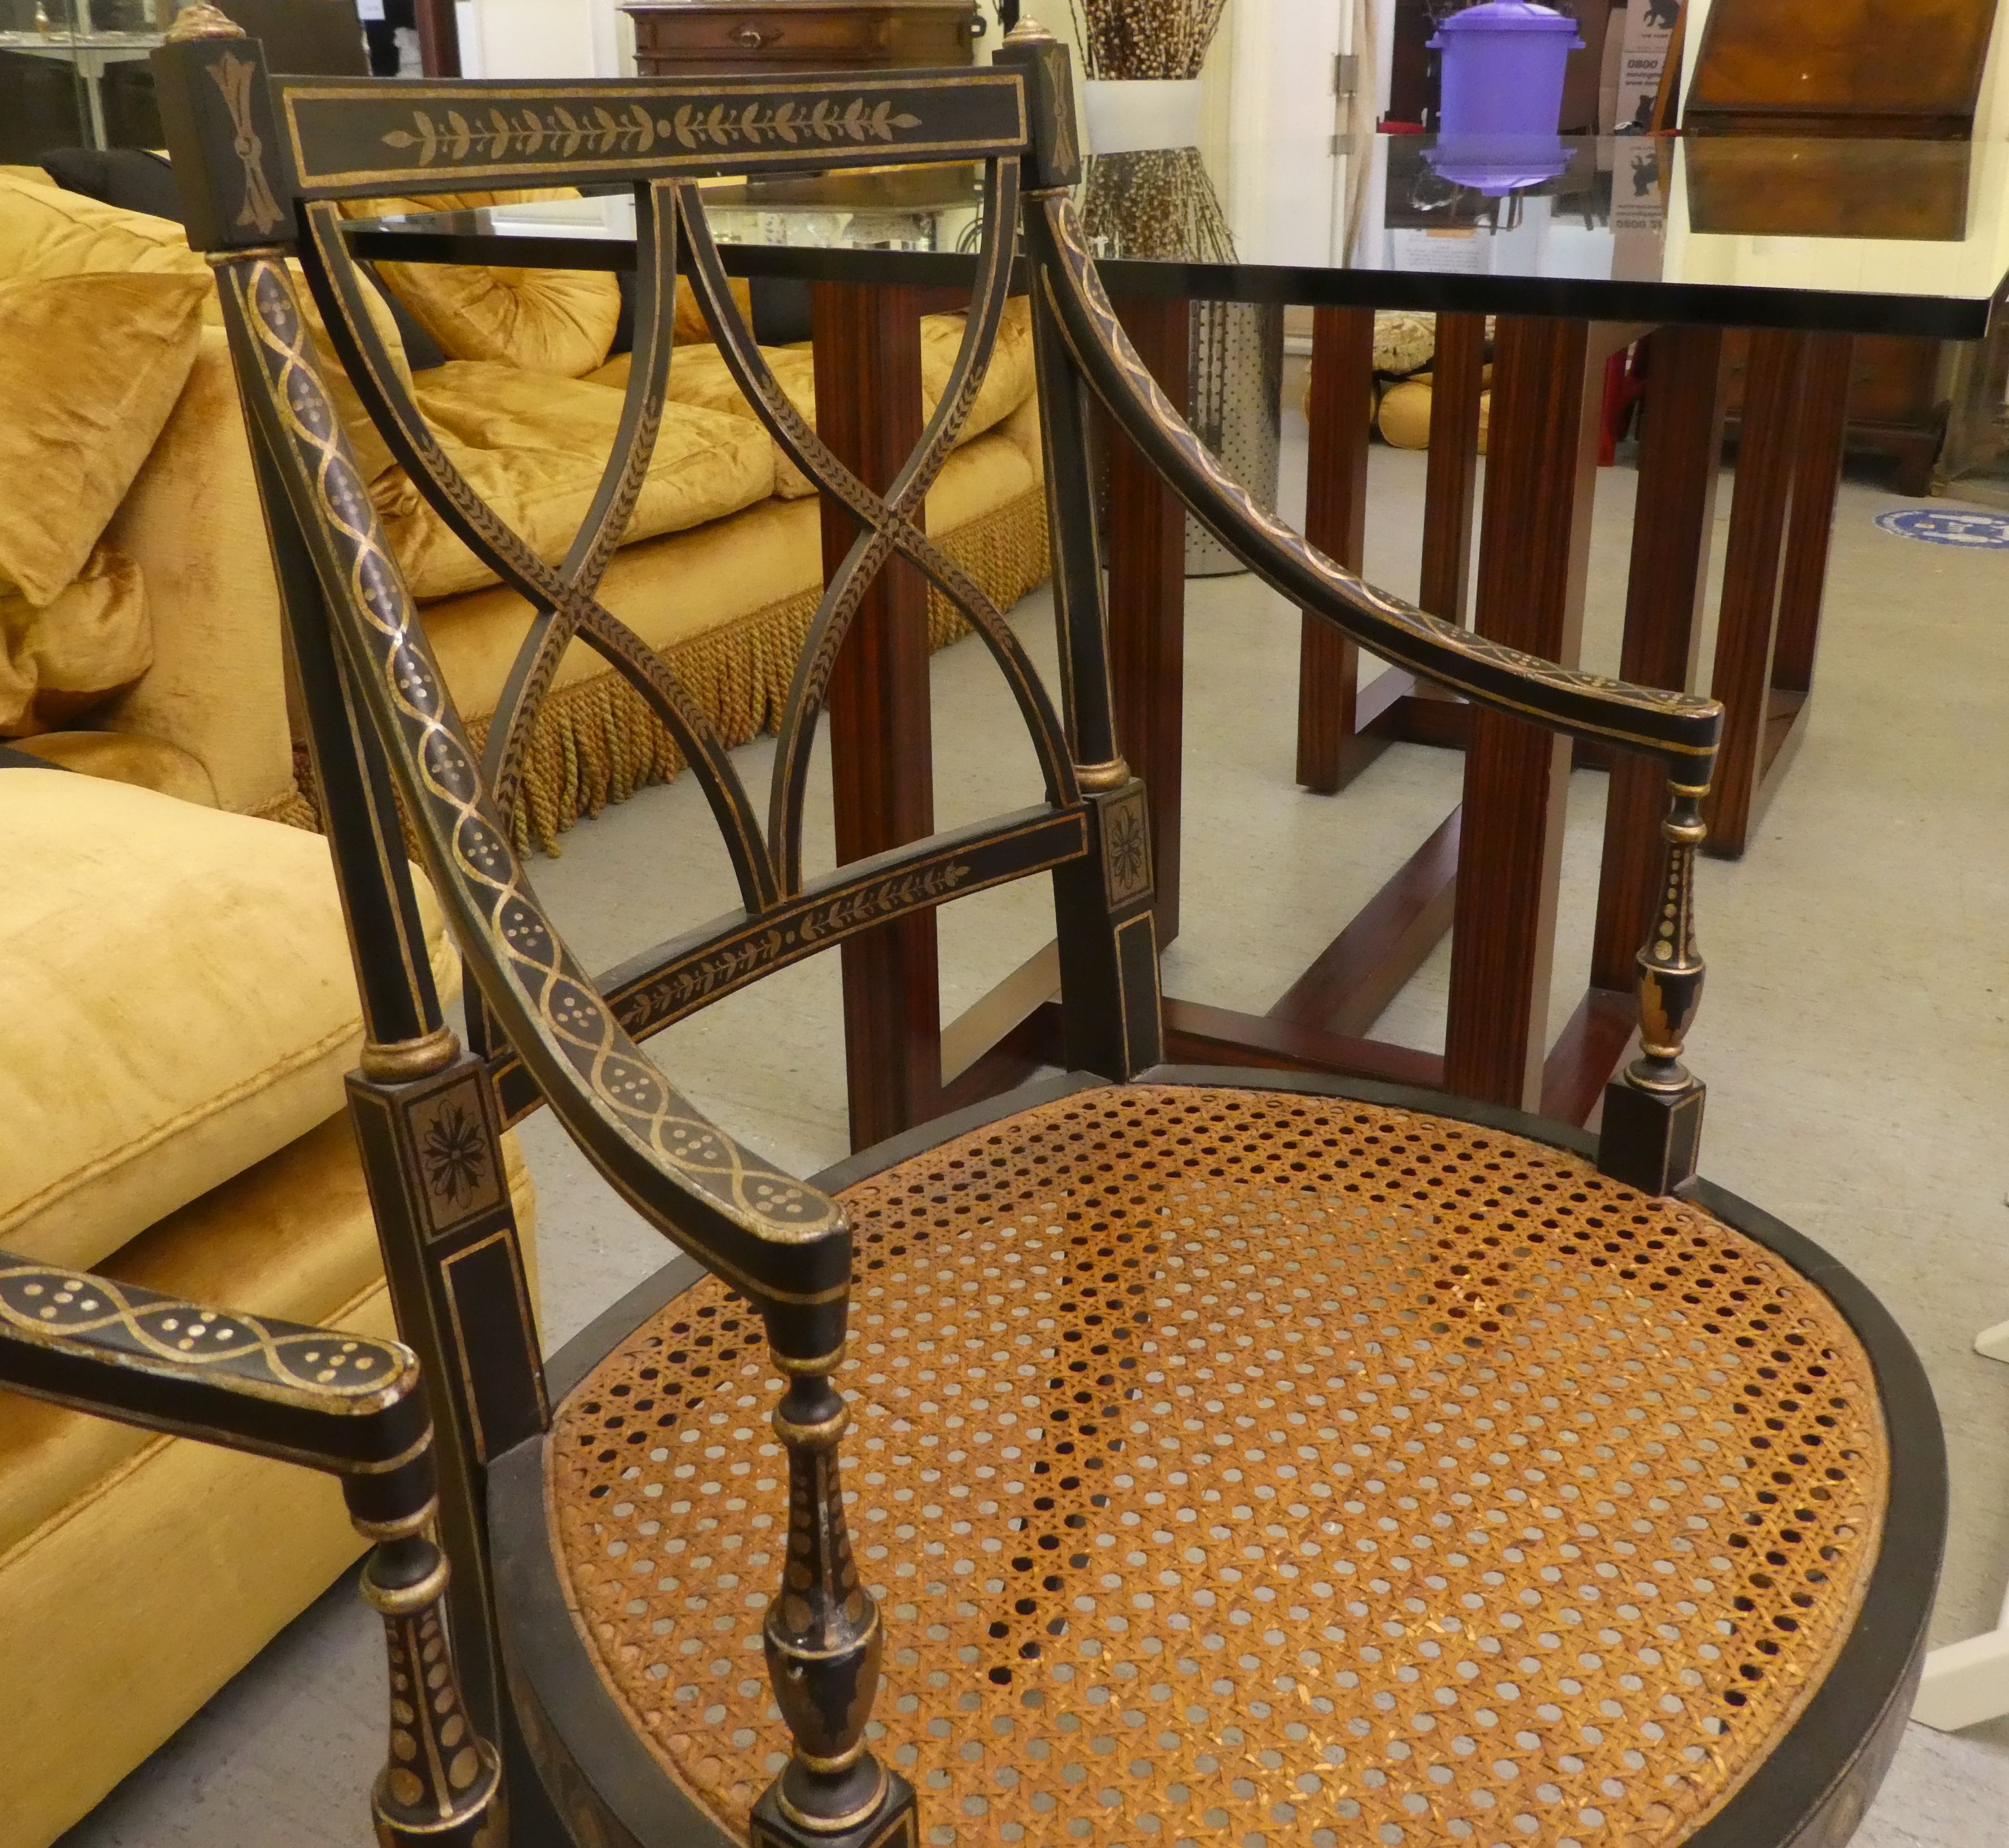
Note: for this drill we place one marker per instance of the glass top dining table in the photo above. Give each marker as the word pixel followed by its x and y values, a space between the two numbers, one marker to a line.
pixel 1820 234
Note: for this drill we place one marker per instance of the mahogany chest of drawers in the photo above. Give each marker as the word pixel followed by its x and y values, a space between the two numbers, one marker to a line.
pixel 681 37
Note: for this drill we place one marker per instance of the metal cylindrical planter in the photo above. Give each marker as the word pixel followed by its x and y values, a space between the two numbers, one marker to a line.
pixel 1233 400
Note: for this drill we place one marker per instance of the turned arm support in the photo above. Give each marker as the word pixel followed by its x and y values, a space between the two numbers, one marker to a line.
pixel 1653 1111
pixel 351 1406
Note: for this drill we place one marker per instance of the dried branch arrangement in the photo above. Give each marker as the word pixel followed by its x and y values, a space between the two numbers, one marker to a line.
pixel 1146 38
pixel 1158 202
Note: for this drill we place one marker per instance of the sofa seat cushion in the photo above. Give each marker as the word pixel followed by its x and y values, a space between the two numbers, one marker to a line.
pixel 673 590
pixel 533 447
pixel 60 658
pixel 176 1003
pixel 126 757
pixel 699 375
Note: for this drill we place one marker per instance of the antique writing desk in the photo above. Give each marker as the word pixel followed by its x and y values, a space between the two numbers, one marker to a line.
pixel 1806 242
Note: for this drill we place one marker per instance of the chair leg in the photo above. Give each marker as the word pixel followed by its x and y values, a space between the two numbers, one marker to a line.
pixel 824 1636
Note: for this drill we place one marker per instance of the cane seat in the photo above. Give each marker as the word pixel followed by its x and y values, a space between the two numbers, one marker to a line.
pixel 1254 1467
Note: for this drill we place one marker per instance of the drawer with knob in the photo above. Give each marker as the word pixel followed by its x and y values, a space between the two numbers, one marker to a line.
pixel 684 37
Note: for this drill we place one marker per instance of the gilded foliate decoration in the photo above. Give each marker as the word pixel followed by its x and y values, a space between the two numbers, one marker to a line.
pixel 237 78
pixel 343 135
pixel 1126 845
pixel 564 135
pixel 456 1157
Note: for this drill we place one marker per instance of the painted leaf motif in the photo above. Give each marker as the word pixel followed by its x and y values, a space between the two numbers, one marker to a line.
pixel 463 137
pixel 683 126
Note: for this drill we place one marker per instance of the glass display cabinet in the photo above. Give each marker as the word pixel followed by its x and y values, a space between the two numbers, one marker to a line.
pixel 73 72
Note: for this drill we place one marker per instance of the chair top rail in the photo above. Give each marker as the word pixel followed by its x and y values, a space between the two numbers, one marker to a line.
pixel 1681 728
pixel 343 138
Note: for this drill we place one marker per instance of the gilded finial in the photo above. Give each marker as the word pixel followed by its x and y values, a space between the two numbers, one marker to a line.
pixel 1029 31
pixel 200 20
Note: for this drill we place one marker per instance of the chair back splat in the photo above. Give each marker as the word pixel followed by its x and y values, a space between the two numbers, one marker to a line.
pixel 265 164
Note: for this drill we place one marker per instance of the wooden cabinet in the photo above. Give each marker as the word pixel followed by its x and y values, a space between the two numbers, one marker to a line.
pixel 680 38
pixel 1897 405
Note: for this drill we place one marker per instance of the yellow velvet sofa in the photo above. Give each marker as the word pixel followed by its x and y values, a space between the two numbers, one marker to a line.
pixel 177 1007
pixel 177 1012
pixel 721 571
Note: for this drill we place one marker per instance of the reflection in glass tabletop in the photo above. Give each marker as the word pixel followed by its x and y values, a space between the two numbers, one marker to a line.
pixel 1861 236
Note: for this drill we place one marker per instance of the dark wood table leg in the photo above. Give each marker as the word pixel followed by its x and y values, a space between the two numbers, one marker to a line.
pixel 1534 555
pixel 881 769
pixel 1747 620
pixel 1681 451
pixel 1341 726
pixel 1147 599
pixel 439 38
pixel 1329 754
pixel 1816 480
pixel 1458 371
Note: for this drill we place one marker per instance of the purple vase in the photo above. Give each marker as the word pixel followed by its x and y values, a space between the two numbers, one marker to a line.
pixel 1503 95
pixel 1503 68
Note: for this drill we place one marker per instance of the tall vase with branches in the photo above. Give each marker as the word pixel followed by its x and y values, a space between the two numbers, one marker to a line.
pixel 1149 40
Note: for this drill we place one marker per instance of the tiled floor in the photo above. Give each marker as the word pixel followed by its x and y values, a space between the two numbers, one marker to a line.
pixel 1856 1038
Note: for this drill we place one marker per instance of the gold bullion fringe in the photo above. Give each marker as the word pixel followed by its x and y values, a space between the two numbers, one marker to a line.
pixel 597 742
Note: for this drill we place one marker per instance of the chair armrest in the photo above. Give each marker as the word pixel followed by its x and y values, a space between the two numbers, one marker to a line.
pixel 192 522
pixel 352 1405
pixel 1679 728
pixel 348 1404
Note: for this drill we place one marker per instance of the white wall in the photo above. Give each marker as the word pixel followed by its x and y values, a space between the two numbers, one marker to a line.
pixel 545 38
pixel 1281 115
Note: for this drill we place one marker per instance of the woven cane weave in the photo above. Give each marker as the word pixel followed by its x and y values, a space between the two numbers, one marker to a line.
pixel 1251 1468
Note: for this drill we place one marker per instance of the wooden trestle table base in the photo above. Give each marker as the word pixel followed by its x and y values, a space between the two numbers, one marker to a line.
pixel 1490 872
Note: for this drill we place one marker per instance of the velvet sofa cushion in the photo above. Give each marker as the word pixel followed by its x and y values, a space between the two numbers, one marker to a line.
pixel 555 321
pixel 126 757
pixel 91 365
pixel 60 658
pixel 699 376
pixel 47 231
pixel 533 446
pixel 176 1003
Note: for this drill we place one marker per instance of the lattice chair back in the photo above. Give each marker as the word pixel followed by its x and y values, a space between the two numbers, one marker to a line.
pixel 263 164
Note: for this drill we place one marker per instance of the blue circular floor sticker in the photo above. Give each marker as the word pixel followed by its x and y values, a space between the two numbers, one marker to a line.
pixel 1947 526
